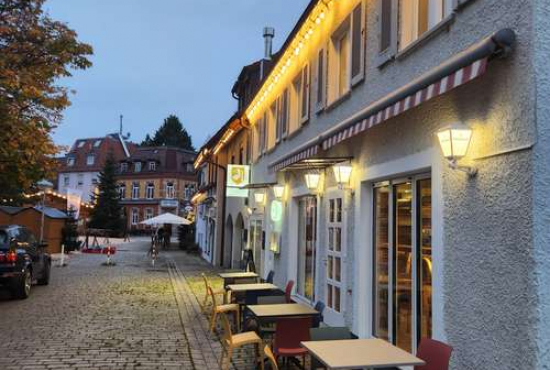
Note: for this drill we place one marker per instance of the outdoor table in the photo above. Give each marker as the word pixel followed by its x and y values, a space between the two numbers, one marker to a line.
pixel 270 311
pixel 232 276
pixel 360 354
pixel 243 288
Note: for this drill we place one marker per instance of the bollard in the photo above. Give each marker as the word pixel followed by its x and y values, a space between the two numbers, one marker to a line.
pixel 62 261
pixel 109 262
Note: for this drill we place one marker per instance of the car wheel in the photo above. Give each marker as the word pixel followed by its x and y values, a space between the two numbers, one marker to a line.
pixel 45 279
pixel 22 285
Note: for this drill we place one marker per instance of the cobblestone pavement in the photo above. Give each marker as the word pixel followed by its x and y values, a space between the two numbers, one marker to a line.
pixel 128 316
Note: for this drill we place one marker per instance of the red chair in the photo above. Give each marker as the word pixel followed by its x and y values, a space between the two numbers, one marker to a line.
pixel 288 291
pixel 289 333
pixel 437 355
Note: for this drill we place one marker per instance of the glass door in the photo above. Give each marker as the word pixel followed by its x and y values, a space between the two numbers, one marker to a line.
pixel 307 241
pixel 402 257
pixel 256 243
pixel 335 252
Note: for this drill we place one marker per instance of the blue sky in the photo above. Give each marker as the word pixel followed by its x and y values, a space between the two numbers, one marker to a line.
pixel 155 58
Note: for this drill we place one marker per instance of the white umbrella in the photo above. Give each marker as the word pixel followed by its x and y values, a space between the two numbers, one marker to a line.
pixel 167 218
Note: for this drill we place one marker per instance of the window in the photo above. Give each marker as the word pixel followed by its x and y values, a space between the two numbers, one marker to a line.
pixel 170 190
pixel 90 160
pixel 80 180
pixel 272 125
pixel 135 190
pixel 81 144
pixel 66 180
pixel 123 167
pixel 70 161
pixel 152 166
pixel 149 212
pixel 307 247
pixel 419 16
pixel 150 191
pixel 334 297
pixel 122 191
pixel 299 99
pixel 304 95
pixel 339 62
pixel 357 44
pixel 189 167
pixel 137 167
pixel 320 74
pixel 97 143
pixel 402 261
pixel 282 116
pixel 94 181
pixel 264 133
pixel 135 216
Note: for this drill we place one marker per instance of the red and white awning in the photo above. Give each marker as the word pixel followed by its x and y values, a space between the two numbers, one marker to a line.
pixel 336 136
pixel 440 87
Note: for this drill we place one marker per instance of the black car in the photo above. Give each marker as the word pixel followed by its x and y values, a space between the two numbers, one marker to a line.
pixel 23 260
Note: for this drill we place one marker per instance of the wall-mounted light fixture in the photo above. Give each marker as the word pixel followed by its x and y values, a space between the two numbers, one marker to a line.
pixel 259 198
pixel 312 180
pixel 342 173
pixel 279 191
pixel 454 142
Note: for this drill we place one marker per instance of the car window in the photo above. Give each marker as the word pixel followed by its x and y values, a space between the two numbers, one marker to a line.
pixel 3 238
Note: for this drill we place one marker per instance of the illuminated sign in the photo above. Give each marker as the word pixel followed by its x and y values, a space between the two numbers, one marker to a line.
pixel 238 176
pixel 276 211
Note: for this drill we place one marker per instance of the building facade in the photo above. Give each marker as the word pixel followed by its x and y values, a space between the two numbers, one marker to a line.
pixel 408 144
pixel 80 168
pixel 156 180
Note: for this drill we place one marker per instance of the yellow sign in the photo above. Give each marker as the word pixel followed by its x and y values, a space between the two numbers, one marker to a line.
pixel 238 176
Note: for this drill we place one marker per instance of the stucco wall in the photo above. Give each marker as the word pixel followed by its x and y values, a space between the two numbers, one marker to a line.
pixel 490 297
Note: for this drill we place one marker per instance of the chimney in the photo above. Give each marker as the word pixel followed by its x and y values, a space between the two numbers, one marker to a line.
pixel 269 33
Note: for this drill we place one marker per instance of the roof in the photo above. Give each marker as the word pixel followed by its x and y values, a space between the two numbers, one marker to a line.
pixel 48 211
pixel 168 159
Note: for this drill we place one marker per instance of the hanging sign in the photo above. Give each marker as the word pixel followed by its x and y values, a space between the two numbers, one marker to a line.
pixel 238 176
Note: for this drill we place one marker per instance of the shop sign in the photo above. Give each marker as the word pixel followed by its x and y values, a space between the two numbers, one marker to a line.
pixel 238 176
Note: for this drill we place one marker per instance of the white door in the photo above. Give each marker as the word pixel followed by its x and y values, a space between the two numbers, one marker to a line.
pixel 335 233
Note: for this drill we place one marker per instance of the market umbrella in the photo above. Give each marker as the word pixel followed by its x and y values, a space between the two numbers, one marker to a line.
pixel 167 218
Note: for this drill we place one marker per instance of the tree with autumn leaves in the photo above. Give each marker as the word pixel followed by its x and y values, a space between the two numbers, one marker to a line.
pixel 35 52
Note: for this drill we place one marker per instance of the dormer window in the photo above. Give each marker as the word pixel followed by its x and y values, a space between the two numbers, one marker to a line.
pixel 90 160
pixel 81 144
pixel 97 143
pixel 123 167
pixel 137 167
pixel 70 161
pixel 152 166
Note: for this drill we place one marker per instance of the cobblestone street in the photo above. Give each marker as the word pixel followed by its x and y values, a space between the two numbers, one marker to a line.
pixel 129 316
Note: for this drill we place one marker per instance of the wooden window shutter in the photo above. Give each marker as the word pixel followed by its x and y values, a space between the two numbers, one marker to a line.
pixel 320 75
pixel 304 96
pixel 264 132
pixel 357 44
pixel 387 30
pixel 278 120
pixel 284 114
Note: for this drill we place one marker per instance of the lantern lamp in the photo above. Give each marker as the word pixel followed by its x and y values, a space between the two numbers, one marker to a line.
pixel 342 173
pixel 259 198
pixel 312 180
pixel 279 191
pixel 454 142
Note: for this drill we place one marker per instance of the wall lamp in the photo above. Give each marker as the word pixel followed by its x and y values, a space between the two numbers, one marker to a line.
pixel 279 191
pixel 342 174
pixel 454 142
pixel 259 198
pixel 312 180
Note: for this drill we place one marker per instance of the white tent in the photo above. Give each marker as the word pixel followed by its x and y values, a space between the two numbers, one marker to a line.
pixel 167 218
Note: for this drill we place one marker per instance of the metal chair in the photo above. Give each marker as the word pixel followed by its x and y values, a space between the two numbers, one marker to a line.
pixel 270 276
pixel 288 291
pixel 232 341
pixel 317 320
pixel 222 309
pixel 437 355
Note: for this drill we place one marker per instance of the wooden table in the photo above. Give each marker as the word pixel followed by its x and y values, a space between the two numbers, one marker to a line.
pixel 360 354
pixel 264 311
pixel 230 277
pixel 242 288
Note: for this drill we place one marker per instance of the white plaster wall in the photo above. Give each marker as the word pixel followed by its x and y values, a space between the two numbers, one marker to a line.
pixel 87 187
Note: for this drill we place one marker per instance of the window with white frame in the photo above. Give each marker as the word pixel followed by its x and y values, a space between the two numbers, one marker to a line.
pixel 70 161
pixel 150 191
pixel 90 160
pixel 339 62
pixel 263 133
pixel 123 167
pixel 80 180
pixel 135 190
pixel 320 80
pixel 137 167
pixel 307 247
pixel 66 180
pixel 416 17
pixel 334 297
pixel 272 125
pixel 149 212
pixel 152 166
pixel 170 190
pixel 135 216
pixel 282 116
pixel 122 191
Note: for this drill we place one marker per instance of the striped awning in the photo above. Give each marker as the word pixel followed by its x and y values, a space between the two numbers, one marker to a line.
pixel 440 87
pixel 300 156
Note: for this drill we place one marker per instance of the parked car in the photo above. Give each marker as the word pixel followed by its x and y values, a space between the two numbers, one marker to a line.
pixel 23 260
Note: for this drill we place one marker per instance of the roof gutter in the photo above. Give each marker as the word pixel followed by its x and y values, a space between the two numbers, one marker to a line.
pixel 498 44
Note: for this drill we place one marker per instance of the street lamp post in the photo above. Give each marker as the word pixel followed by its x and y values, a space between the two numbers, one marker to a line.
pixel 44 186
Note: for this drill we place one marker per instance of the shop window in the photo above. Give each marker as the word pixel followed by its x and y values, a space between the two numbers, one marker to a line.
pixel 307 247
pixel 150 191
pixel 402 258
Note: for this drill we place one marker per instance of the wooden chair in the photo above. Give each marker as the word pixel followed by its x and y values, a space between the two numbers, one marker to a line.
pixel 231 341
pixel 222 309
pixel 207 293
pixel 271 358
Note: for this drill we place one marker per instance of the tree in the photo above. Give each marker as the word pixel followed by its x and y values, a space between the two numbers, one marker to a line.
pixel 35 52
pixel 107 211
pixel 171 133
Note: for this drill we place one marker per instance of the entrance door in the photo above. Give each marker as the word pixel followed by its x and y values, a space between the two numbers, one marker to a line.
pixel 402 257
pixel 335 253
pixel 256 244
pixel 307 247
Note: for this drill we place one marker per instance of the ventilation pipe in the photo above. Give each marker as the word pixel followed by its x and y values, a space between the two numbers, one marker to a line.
pixel 269 33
